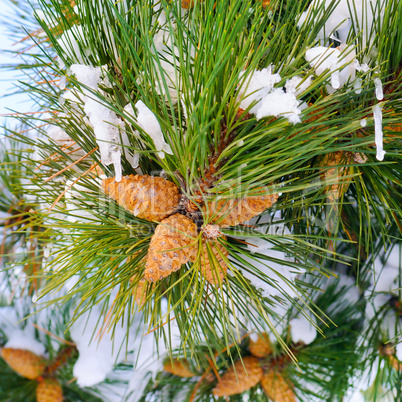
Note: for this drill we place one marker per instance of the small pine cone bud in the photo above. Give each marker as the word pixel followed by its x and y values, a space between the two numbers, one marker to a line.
pixel 180 368
pixel 232 212
pixel 212 265
pixel 49 390
pixel 276 388
pixel 140 292
pixel 150 198
pixel 336 190
pixel 261 347
pixel 26 363
pixel 172 245
pixel 246 379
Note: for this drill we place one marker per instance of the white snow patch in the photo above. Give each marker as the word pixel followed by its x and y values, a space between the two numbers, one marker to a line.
pixel 363 122
pixel 97 357
pixel 149 123
pixel 302 329
pixel 107 126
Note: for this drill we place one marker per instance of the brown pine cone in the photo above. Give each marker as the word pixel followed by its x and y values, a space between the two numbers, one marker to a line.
pixel 212 266
pixel 228 212
pixel 276 388
pixel 172 245
pixel 335 174
pixel 180 368
pixel 261 347
pixel 27 364
pixel 148 197
pixel 246 379
pixel 49 390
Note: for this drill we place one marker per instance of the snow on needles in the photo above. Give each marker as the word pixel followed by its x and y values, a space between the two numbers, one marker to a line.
pixel 270 101
pixel 377 113
pixel 105 123
pixel 149 123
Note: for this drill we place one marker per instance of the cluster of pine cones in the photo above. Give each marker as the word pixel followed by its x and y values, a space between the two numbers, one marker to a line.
pixel 246 373
pixel 177 240
pixel 29 365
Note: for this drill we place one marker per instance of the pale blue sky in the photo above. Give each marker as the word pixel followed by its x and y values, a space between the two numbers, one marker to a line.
pixel 21 102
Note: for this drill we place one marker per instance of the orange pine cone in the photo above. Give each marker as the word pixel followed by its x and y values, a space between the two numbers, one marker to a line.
pixel 27 364
pixel 148 197
pixel 336 190
pixel 172 245
pixel 276 388
pixel 49 390
pixel 180 368
pixel 261 347
pixel 211 260
pixel 246 379
pixel 232 212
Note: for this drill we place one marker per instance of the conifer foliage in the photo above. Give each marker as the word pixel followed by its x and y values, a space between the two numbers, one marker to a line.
pixel 210 191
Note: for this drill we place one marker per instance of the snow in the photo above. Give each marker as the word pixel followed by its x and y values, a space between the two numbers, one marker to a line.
pixel 324 59
pixel 297 85
pixel 302 330
pixel 363 122
pixel 279 103
pixel 377 113
pixel 378 89
pixel 97 354
pixel 149 123
pixel 259 87
pixel 70 42
pixel 357 85
pixel 106 124
pixel 338 24
pixel 19 337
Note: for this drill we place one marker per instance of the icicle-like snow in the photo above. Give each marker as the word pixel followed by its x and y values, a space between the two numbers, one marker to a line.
pixel 357 85
pixel 104 121
pixel 149 123
pixel 377 113
pixel 378 89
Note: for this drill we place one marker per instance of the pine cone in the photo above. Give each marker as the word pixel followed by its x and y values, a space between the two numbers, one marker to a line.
pixel 49 390
pixel 27 364
pixel 336 190
pixel 230 385
pixel 261 347
pixel 212 266
pixel 179 367
pixel 276 388
pixel 148 197
pixel 171 247
pixel 232 212
pixel 186 4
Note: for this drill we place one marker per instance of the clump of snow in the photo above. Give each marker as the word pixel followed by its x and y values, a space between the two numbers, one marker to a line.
pixel 272 101
pixel 363 122
pixel 108 127
pixel 302 329
pixel 149 123
pixel 98 354
pixel 323 58
pixel 260 85
pixel 279 103
pixel 377 113
pixel 73 43
pixel 378 89
pixel 19 337
pixel 297 85
pixel 338 25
